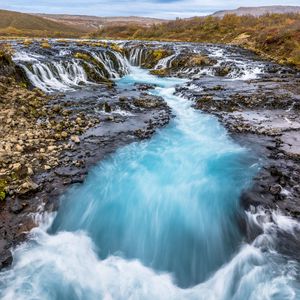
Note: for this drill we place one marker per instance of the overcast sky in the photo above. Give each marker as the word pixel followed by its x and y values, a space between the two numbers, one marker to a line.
pixel 149 8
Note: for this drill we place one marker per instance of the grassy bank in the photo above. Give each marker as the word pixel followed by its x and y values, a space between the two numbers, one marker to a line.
pixel 276 36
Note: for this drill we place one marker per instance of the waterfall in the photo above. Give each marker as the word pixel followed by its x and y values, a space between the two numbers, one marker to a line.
pixel 136 55
pixel 166 62
pixel 50 74
pixel 113 62
pixel 159 220
pixel 56 76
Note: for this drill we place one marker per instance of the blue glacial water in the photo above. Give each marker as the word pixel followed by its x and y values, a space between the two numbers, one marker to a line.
pixel 159 219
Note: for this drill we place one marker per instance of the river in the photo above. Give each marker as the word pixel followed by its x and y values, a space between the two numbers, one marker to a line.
pixel 159 219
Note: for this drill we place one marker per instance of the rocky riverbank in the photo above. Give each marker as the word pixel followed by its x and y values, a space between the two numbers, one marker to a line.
pixel 49 142
pixel 262 114
pixel 258 102
pixel 51 138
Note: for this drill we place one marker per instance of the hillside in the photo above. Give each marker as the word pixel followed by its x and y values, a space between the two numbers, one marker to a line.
pixel 275 36
pixel 259 11
pixel 92 23
pixel 15 23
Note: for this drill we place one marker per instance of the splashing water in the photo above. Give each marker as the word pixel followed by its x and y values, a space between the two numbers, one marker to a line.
pixel 159 219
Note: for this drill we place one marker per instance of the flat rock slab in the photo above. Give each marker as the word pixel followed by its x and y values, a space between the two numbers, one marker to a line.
pixel 291 143
pixel 269 119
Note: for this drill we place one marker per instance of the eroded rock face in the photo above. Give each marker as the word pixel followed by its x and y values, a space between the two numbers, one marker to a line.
pixel 184 61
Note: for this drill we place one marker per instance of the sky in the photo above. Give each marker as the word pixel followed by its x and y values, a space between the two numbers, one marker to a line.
pixel 167 9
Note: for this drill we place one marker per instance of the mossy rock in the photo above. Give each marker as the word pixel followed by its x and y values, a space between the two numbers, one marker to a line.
pixel 199 60
pixel 3 185
pixel 190 60
pixel 27 42
pixel 83 56
pixel 154 56
pixel 160 72
pixel 45 45
pixel 106 107
pixel 5 58
pixel 222 71
pixel 116 48
pixel 93 68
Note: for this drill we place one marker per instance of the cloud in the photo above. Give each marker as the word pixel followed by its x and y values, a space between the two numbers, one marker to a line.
pixel 149 8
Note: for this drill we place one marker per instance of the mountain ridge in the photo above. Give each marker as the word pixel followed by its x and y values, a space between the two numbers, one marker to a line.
pixel 257 11
pixel 90 23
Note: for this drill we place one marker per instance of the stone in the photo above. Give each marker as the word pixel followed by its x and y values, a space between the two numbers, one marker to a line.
pixel 19 148
pixel 75 139
pixel 16 207
pixel 106 107
pixel 30 171
pixel 64 134
pixel 16 167
pixel 28 186
pixel 275 189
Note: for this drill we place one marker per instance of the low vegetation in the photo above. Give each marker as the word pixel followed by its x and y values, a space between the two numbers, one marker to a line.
pixel 276 36
pixel 20 24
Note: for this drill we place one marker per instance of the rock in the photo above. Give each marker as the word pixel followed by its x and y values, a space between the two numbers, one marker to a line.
pixel 75 139
pixel 16 167
pixel 79 121
pixel 222 71
pixel 64 134
pixel 30 171
pixel 5 254
pixel 19 148
pixel 106 107
pixel 27 187
pixel 16 206
pixel 275 189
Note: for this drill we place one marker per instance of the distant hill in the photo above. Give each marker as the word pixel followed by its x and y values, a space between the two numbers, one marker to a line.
pixel 259 11
pixel 15 23
pixel 92 23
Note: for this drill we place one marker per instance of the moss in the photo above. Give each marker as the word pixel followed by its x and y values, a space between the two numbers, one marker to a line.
pixel 3 185
pixel 200 60
pixel 154 56
pixel 27 42
pixel 160 72
pixel 5 58
pixel 116 48
pixel 82 56
pixel 14 176
pixel 2 195
pixel 45 45
pixel 23 85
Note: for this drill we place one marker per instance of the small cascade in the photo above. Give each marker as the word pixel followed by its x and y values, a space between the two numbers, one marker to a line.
pixel 56 76
pixel 56 70
pixel 113 62
pixel 136 55
pixel 166 62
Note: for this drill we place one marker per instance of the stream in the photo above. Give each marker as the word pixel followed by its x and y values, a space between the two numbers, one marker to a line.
pixel 159 219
